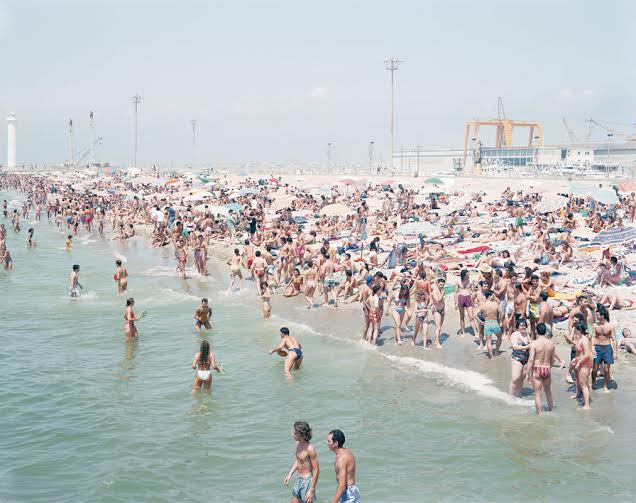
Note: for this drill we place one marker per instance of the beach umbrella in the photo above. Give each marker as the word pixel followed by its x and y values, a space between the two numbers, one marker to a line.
pixel 171 181
pixel 347 181
pixel 552 202
pixel 282 202
pixel 600 194
pixel 233 206
pixel 616 235
pixel 434 180
pixel 198 196
pixel 336 210
pixel 388 182
pixel 415 228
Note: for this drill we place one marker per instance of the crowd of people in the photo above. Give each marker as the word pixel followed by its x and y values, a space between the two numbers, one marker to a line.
pixel 513 271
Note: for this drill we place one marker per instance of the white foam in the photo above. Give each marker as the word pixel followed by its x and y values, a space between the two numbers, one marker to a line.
pixel 457 378
pixel 160 271
pixel 177 295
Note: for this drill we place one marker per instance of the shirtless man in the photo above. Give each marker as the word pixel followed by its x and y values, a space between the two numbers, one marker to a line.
pixel 202 315
pixel 306 465
pixel 345 466
pixel 182 257
pixel 121 276
pixel 546 313
pixel 326 272
pixel 292 347
pixel 542 357
pixel 604 341
pixel 74 282
pixel 490 310
pixel 235 269
pixel 248 255
pixel 534 303
pixel 438 304
pixel 310 283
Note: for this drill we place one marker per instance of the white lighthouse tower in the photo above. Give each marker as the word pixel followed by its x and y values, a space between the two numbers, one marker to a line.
pixel 11 140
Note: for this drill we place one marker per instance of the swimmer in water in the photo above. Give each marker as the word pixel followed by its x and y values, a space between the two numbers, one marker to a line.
pixel 121 276
pixel 69 242
pixel 30 242
pixel 5 258
pixel 235 269
pixel 203 361
pixel 74 282
pixel 130 330
pixel 202 316
pixel 293 348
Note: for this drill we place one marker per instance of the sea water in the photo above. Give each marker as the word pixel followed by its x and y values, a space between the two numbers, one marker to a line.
pixel 86 416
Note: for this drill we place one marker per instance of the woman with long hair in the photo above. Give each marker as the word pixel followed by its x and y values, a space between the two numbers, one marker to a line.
pixel 129 316
pixel 203 362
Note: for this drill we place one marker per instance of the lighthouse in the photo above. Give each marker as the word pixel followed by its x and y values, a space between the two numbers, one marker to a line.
pixel 11 140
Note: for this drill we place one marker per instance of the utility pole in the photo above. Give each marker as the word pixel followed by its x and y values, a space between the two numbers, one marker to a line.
pixel 136 99
pixel 329 145
pixel 392 65
pixel 71 143
pixel 91 118
pixel 194 139
pixel 371 157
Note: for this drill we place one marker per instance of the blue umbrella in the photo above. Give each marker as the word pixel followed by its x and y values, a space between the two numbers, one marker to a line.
pixel 616 235
pixel 234 206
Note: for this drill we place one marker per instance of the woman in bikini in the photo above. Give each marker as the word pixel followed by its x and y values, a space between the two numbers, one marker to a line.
pixel 129 316
pixel 464 301
pixel 398 301
pixel 582 363
pixel 421 322
pixel 265 297
pixel 203 362
pixel 310 283
pixel 295 284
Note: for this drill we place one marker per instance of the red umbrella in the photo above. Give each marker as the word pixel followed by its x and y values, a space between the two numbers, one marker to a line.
pixel 347 181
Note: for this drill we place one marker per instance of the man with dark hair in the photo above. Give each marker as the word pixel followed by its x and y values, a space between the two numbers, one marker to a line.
pixel 74 282
pixel 291 349
pixel 490 310
pixel 345 466
pixel 306 465
pixel 542 357
pixel 605 350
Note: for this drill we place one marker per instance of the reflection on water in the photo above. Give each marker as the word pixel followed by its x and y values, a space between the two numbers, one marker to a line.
pixel 128 361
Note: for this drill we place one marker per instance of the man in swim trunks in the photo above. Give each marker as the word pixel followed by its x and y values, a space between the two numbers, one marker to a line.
pixel 542 357
pixel 490 310
pixel 306 465
pixel 258 269
pixel 439 308
pixel 202 315
pixel 345 466
pixel 74 282
pixel 292 347
pixel 326 272
pixel 604 341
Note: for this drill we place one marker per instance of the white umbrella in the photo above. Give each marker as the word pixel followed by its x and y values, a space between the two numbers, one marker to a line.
pixel 552 202
pixel 333 210
pixel 282 202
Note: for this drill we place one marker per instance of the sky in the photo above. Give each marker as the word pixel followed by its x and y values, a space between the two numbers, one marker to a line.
pixel 279 80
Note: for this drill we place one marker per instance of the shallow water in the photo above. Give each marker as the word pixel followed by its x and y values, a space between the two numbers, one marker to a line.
pixel 88 417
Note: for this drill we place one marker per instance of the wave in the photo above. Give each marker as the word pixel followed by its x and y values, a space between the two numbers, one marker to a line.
pixel 457 378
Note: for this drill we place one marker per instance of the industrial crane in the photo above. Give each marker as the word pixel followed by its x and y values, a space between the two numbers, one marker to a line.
pixel 626 137
pixel 573 138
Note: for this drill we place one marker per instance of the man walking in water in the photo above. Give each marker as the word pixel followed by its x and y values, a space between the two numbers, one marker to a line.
pixel 542 356
pixel 345 466
pixel 202 315
pixel 291 348
pixel 306 465
pixel 74 281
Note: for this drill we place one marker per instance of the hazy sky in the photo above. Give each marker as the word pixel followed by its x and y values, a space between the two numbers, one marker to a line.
pixel 278 80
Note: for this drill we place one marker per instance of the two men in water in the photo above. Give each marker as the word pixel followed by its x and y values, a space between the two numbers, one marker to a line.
pixel 308 470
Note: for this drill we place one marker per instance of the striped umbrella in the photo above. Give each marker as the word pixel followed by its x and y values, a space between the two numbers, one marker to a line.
pixel 616 235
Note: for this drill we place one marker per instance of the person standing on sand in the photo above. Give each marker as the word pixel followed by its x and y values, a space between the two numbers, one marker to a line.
pixel 604 341
pixel 202 315
pixel 438 304
pixel 345 467
pixel 292 347
pixel 306 465
pixel 542 357
pixel 121 276
pixel 490 310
